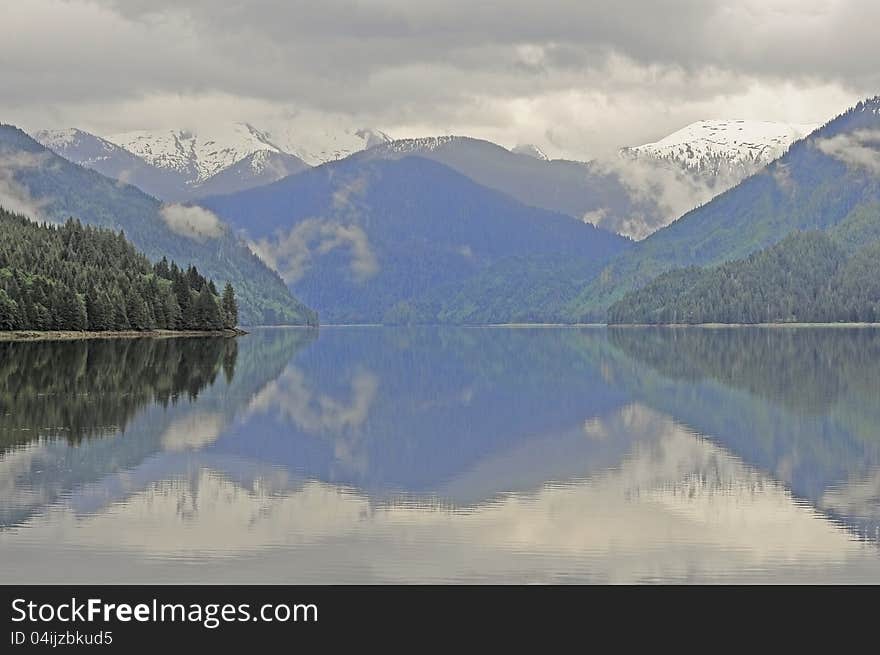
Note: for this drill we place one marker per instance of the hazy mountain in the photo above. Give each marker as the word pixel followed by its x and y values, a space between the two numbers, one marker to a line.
pixel 44 186
pixel 531 150
pixel 831 178
pixel 635 194
pixel 357 238
pixel 589 192
pixel 258 168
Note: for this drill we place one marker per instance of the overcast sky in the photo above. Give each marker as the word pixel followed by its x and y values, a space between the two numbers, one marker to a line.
pixel 578 77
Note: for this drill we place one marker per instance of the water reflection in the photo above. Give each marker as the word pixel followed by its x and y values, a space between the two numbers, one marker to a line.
pixel 469 455
pixel 82 389
pixel 803 404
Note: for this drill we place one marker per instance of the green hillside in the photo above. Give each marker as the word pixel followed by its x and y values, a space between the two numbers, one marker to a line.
pixel 807 277
pixel 828 179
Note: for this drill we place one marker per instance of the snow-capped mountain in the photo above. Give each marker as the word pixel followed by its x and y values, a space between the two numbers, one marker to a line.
pixel 726 148
pixel 183 164
pixel 197 156
pixel 113 161
pixel 530 150
pixel 86 148
pixel 316 145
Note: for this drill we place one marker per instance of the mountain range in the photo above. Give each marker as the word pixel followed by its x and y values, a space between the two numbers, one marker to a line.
pixel 828 180
pixel 634 194
pixel 180 165
pixel 43 186
pixel 455 229
pixel 369 239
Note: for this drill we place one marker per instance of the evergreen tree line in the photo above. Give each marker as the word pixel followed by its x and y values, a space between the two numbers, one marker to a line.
pixel 77 277
pixel 807 277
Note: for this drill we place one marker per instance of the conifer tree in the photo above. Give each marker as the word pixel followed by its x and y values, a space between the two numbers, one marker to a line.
pixel 230 307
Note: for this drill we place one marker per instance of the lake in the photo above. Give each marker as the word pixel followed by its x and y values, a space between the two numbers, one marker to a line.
pixel 512 455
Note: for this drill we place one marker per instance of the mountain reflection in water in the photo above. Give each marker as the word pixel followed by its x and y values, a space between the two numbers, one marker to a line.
pixel 444 455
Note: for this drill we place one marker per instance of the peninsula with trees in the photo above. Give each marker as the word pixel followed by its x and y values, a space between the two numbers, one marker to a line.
pixel 78 280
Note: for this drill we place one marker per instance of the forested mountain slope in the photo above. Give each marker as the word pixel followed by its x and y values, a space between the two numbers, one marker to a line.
pixel 44 186
pixel 357 238
pixel 807 277
pixel 830 178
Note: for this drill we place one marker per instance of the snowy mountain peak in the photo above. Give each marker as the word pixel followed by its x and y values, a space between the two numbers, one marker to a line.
pixel 530 150
pixel 79 146
pixel 58 139
pixel 317 145
pixel 420 144
pixel 718 146
pixel 196 155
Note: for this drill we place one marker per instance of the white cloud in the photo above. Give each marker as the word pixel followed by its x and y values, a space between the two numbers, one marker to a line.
pixel 15 197
pixel 291 254
pixel 654 184
pixel 860 149
pixel 193 222
pixel 194 431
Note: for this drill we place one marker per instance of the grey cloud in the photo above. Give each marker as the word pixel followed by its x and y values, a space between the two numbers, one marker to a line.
pixel 779 37
pixel 193 222
pixel 580 76
pixel 861 149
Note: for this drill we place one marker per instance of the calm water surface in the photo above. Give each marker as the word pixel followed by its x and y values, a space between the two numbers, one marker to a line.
pixel 444 455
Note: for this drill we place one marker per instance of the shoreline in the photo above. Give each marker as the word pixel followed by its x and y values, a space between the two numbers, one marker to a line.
pixel 717 326
pixel 706 326
pixel 66 335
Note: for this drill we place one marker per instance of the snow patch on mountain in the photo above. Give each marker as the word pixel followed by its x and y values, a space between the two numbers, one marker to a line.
pixel 53 139
pixel 316 145
pixel 76 145
pixel 530 150
pixel 734 148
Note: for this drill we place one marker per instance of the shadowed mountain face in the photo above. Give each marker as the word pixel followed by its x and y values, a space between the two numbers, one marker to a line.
pixel 43 186
pixel 363 240
pixel 563 454
pixel 828 180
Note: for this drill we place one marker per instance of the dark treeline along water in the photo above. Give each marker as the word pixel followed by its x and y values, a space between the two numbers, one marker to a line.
pixel 444 454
